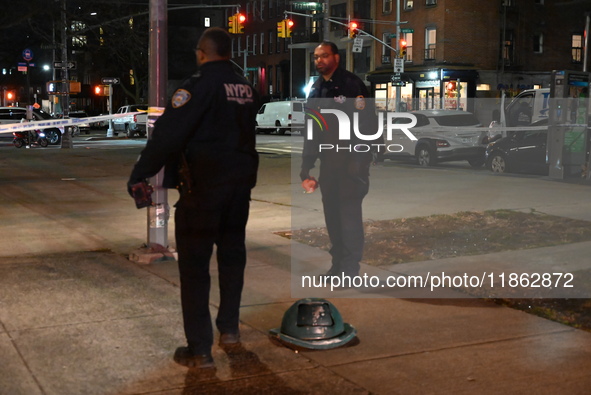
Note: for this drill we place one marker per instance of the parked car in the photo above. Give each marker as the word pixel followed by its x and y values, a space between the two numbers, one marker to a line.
pixel 132 124
pixel 81 127
pixel 16 114
pixel 280 117
pixel 522 151
pixel 442 135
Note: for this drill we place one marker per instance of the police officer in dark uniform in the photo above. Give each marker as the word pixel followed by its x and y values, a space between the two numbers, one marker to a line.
pixel 344 173
pixel 210 122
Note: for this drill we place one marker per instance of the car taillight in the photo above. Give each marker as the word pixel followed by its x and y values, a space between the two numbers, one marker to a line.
pixel 135 118
pixel 442 143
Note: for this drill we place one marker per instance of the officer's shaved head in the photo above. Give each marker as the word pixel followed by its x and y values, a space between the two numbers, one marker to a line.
pixel 215 43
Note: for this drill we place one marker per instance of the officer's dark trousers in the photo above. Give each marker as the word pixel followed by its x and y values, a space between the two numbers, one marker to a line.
pixel 342 198
pixel 216 216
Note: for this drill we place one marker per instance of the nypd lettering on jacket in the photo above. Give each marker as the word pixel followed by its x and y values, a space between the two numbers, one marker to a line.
pixel 240 93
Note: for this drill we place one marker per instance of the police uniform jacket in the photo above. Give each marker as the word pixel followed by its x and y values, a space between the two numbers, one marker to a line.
pixel 346 92
pixel 211 121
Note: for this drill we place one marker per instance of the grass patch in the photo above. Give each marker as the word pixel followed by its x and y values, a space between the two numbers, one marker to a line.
pixel 471 233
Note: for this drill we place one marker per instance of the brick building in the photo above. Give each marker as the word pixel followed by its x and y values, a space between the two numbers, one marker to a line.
pixel 457 49
pixel 482 47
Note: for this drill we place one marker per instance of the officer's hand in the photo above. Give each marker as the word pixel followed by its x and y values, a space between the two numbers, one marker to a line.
pixel 130 185
pixel 304 174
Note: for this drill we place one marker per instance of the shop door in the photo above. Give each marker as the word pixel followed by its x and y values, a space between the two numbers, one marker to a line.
pixel 426 101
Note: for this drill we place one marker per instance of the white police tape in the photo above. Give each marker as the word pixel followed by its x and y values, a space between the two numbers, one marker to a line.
pixel 58 123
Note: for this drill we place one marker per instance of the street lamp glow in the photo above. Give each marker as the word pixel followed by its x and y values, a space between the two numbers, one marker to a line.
pixel 46 67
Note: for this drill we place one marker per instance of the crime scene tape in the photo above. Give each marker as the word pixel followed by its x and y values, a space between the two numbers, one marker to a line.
pixel 58 123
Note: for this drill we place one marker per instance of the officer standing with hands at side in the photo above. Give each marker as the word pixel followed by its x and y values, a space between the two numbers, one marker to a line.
pixel 344 175
pixel 209 125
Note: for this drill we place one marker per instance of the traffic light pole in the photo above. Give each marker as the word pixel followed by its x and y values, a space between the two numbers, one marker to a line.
pixel 398 88
pixel 159 212
pixel 67 136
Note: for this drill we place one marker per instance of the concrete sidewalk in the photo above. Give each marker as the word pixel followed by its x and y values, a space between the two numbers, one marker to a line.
pixel 77 317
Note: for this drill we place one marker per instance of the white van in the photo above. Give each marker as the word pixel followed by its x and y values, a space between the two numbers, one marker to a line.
pixel 280 117
pixel 528 107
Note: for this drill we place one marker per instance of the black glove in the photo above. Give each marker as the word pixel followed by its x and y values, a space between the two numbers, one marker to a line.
pixel 304 174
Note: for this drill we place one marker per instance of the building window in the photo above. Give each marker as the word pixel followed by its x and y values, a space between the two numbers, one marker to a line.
pixel 538 43
pixel 431 2
pixel 577 48
pixel 408 4
pixel 508 48
pixel 271 6
pixel 387 7
pixel 408 38
pixel 361 61
pixel 387 52
pixel 262 44
pixel 272 34
pixel 430 43
pixel 254 44
pixel 80 40
pixel 338 11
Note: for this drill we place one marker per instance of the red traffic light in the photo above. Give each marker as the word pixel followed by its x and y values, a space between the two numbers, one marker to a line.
pixel 353 26
pixel 289 23
pixel 241 18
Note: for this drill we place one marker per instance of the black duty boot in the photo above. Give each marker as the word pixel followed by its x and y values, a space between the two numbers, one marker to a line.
pixel 184 356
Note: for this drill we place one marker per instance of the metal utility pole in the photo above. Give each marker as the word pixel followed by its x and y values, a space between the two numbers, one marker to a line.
pixel 159 212
pixel 66 137
pixel 398 88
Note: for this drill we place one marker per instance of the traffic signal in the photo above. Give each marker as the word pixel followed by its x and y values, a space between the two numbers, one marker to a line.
pixel 402 49
pixel 232 25
pixel 281 29
pixel 288 27
pixel 284 28
pixel 240 19
pixel 101 90
pixel 353 29
pixel 10 97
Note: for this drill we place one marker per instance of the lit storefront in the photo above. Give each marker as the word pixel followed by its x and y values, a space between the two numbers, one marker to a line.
pixel 427 89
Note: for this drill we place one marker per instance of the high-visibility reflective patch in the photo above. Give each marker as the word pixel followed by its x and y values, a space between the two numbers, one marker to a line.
pixel 180 98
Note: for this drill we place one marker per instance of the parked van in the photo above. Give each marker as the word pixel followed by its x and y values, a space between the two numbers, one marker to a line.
pixel 280 117
pixel 528 107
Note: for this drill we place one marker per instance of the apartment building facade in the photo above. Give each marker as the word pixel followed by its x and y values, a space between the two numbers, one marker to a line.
pixel 456 49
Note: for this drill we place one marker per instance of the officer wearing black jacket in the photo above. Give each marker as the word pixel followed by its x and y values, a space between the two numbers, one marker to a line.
pixel 210 121
pixel 344 172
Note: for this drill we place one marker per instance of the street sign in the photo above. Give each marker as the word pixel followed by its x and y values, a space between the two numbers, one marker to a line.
pixel 407 30
pixel 357 45
pixel 28 55
pixel 60 65
pixel 398 65
pixel 110 80
pixel 307 6
pixel 252 69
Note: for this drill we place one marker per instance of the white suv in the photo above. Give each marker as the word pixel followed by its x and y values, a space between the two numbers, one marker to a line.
pixel 442 135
